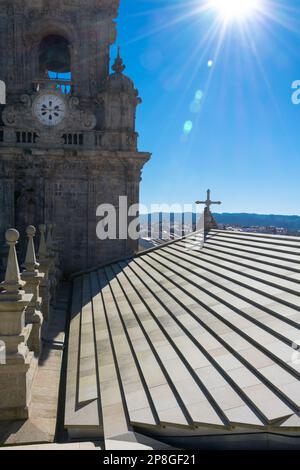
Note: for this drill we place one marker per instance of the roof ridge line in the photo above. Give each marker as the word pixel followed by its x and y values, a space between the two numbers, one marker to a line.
pixel 152 406
pixel 239 247
pixel 256 260
pixel 234 262
pixel 241 273
pixel 217 284
pixel 259 235
pixel 128 258
pixel 233 327
pixel 221 370
pixel 231 241
pixel 218 410
pixel 260 240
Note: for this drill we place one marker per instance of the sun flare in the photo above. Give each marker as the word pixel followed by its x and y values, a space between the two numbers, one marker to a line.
pixel 235 10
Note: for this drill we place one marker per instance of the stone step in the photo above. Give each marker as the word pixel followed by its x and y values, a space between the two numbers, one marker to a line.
pixel 113 410
pixel 139 404
pixel 235 395
pixel 151 366
pixel 289 241
pixel 182 342
pixel 255 250
pixel 81 418
pixel 253 315
pixel 215 279
pixel 207 318
pixel 271 263
pixel 88 386
pixel 251 270
pixel 173 369
pixel 202 407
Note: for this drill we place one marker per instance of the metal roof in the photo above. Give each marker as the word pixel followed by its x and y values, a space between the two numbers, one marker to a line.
pixel 180 341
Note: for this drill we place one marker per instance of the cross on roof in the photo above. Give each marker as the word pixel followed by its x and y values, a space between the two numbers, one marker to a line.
pixel 208 201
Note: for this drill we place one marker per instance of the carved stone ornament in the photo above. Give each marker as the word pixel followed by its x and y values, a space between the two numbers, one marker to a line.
pixel 49 110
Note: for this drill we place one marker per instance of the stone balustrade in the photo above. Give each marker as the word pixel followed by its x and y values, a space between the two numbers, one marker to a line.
pixel 14 333
pixel 104 140
pixel 24 301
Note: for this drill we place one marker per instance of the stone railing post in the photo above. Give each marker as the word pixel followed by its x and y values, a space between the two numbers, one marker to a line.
pixel 32 278
pixel 44 268
pixel 14 383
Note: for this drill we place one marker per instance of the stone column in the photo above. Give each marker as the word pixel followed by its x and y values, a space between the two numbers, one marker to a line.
pixel 52 265
pixel 133 184
pixel 14 383
pixel 44 268
pixel 6 212
pixel 32 278
pixel 56 251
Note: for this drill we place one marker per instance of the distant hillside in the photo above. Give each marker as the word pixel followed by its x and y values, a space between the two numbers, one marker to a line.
pixel 289 222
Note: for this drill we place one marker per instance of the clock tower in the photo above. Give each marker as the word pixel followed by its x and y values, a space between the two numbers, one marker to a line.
pixel 67 132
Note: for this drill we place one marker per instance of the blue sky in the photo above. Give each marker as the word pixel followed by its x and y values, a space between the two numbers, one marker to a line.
pixel 244 143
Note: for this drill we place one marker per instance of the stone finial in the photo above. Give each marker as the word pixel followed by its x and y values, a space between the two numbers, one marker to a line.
pixel 43 246
pixel 31 264
pixel 12 283
pixel 119 66
pixel 32 278
pixel 14 378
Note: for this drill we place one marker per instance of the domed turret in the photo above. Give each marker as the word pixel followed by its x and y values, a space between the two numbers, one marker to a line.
pixel 120 98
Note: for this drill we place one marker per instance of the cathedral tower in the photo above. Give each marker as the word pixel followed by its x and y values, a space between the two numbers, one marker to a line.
pixel 67 132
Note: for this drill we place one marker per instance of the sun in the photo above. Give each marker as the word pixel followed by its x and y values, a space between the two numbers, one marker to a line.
pixel 235 10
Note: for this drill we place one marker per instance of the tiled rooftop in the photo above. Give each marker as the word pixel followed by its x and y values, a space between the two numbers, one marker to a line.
pixel 185 341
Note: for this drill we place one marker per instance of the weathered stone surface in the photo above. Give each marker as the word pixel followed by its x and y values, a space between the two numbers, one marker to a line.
pixel 41 425
pixel 17 371
pixel 61 174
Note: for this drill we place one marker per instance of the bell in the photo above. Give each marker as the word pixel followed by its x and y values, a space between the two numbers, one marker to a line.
pixel 55 54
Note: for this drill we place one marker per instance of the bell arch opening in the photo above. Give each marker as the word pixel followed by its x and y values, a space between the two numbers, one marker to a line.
pixel 55 60
pixel 54 54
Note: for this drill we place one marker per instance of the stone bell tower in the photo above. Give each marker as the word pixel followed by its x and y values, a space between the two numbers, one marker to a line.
pixel 67 132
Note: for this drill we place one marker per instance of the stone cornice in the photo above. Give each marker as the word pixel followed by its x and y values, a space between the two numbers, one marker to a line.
pixel 109 6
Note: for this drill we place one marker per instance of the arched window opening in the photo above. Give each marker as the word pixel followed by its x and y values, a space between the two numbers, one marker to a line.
pixel 55 61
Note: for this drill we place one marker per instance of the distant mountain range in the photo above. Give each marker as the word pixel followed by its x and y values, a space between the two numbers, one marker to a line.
pixel 289 222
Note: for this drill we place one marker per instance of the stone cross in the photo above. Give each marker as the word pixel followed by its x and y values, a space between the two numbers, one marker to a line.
pixel 208 201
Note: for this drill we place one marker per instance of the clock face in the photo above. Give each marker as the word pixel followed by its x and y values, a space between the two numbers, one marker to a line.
pixel 50 109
